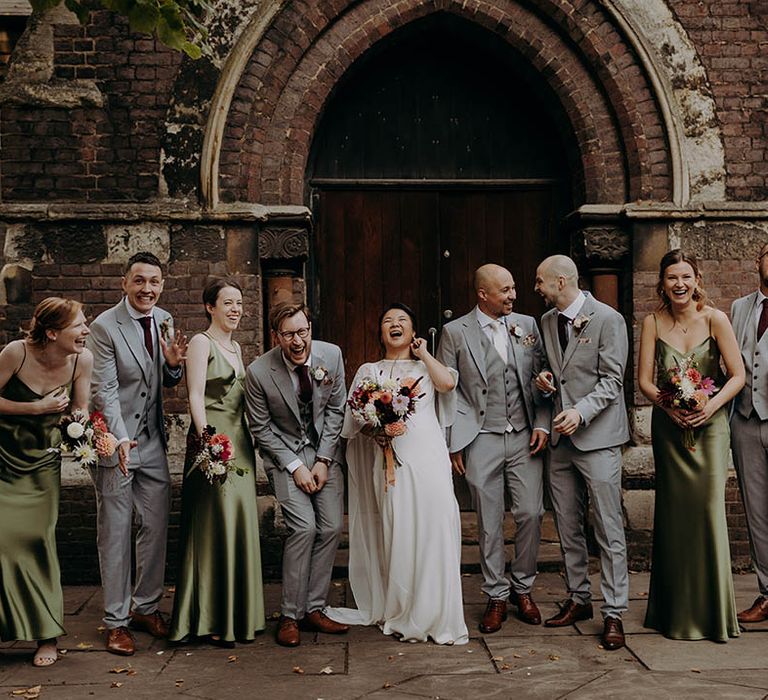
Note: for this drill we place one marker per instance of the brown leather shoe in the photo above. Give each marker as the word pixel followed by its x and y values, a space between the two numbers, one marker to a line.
pixel 527 610
pixel 571 612
pixel 613 634
pixel 318 621
pixel 120 641
pixel 152 623
pixel 757 613
pixel 495 613
pixel 288 632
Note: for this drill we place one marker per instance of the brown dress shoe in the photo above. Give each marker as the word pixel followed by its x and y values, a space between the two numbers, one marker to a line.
pixel 152 623
pixel 571 612
pixel 318 621
pixel 527 610
pixel 613 634
pixel 495 613
pixel 757 613
pixel 120 641
pixel 288 632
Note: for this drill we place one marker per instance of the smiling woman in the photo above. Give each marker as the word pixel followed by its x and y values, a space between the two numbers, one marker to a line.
pixel 40 377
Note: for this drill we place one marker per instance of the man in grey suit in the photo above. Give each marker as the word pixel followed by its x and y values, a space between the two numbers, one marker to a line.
pixel 749 429
pixel 500 429
pixel 134 357
pixel 586 345
pixel 295 397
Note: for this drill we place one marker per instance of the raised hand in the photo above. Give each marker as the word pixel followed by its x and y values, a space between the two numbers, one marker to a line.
pixel 545 382
pixel 419 349
pixel 174 352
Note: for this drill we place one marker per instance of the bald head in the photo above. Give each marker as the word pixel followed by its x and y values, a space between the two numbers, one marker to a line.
pixel 557 280
pixel 495 289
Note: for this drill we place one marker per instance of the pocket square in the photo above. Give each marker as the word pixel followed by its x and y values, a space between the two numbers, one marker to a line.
pixel 584 341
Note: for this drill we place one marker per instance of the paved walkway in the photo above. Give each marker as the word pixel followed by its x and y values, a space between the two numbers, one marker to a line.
pixel 518 662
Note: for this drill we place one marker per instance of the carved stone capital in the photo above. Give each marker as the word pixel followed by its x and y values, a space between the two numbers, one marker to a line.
pixel 602 245
pixel 277 242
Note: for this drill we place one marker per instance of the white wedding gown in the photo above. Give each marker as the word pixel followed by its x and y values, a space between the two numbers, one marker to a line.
pixel 405 543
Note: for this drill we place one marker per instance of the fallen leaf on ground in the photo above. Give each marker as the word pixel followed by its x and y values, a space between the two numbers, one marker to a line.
pixel 326 671
pixel 28 693
pixel 120 669
pixel 386 685
pixel 695 670
pixel 160 653
pixel 505 667
pixel 115 684
pixel 101 628
pixel 517 656
pixel 554 657
pixel 179 682
pixel 85 645
pixel 63 652
pixel 232 659
pixel 132 672
pixel 298 669
pixel 497 658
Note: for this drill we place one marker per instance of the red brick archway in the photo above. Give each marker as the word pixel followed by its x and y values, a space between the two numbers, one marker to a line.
pixel 620 148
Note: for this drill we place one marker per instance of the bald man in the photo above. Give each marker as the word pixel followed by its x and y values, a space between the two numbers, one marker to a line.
pixel 498 435
pixel 587 347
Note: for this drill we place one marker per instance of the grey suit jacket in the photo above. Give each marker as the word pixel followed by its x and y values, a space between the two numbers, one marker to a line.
pixel 273 408
pixel 461 348
pixel 741 316
pixel 122 371
pixel 589 375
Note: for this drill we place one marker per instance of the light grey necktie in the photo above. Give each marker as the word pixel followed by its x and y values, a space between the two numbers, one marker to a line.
pixel 499 335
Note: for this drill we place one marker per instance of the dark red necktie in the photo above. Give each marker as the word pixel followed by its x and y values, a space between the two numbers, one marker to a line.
pixel 562 330
pixel 763 322
pixel 146 324
pixel 305 385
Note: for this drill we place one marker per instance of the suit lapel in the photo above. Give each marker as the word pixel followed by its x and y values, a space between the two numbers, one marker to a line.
pixel 741 323
pixel 516 351
pixel 128 329
pixel 550 339
pixel 587 310
pixel 284 384
pixel 472 337
pixel 320 390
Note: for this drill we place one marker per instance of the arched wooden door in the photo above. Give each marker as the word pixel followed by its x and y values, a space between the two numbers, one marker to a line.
pixel 436 155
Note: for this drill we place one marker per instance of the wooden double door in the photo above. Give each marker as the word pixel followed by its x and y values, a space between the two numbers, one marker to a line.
pixel 374 246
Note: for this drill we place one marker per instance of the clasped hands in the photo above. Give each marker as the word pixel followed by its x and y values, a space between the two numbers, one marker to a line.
pixel 311 480
pixel 566 422
pixel 689 419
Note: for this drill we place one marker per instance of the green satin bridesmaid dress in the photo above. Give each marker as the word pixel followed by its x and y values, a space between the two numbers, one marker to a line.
pixel 691 592
pixel 31 600
pixel 219 587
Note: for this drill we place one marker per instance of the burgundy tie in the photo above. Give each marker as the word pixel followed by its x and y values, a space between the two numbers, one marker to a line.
pixel 305 386
pixel 763 322
pixel 146 324
pixel 562 330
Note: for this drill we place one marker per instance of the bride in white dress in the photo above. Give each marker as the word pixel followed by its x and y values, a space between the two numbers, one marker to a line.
pixel 405 540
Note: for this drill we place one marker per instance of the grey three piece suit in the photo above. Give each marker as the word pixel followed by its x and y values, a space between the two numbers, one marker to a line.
pixel 749 431
pixel 127 389
pixel 286 430
pixel 589 377
pixel 496 413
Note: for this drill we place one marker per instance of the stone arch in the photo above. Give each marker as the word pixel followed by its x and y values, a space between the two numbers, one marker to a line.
pixel 287 61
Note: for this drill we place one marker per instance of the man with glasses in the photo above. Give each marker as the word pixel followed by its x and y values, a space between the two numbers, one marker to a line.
pixel 749 429
pixel 295 397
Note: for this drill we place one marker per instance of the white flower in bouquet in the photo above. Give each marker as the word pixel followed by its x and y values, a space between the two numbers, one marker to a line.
pixel 218 468
pixel 370 414
pixel 85 454
pixel 390 384
pixel 75 430
pixel 400 404
pixel 89 433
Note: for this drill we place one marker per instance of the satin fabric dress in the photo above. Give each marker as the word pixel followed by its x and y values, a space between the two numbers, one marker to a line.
pixel 405 541
pixel 219 585
pixel 31 600
pixel 691 592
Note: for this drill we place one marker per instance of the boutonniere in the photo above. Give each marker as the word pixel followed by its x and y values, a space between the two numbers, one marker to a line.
pixel 166 329
pixel 580 322
pixel 529 341
pixel 516 331
pixel 321 374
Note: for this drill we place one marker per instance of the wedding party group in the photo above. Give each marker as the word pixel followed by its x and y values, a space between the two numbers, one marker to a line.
pixel 501 404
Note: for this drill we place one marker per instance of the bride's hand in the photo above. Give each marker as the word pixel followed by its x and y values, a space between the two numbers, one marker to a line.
pixel 698 418
pixel 678 416
pixel 419 348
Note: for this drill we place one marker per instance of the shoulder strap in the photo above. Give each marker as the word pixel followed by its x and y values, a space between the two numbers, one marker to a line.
pixel 655 323
pixel 23 359
pixel 74 369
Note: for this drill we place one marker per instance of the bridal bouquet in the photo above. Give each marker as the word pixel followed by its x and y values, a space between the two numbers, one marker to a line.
pixel 685 388
pixel 86 437
pixel 382 406
pixel 216 456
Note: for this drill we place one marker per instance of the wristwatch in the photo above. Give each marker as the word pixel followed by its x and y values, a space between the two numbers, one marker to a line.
pixel 324 460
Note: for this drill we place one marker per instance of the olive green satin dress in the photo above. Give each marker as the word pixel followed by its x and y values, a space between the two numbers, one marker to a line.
pixel 31 601
pixel 691 592
pixel 219 587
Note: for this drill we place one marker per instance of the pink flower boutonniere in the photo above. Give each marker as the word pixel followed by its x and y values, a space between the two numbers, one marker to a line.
pixel 580 322
pixel 516 331
pixel 320 374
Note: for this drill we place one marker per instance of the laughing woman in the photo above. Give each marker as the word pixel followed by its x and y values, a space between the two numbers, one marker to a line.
pixel 41 376
pixel 219 589
pixel 691 593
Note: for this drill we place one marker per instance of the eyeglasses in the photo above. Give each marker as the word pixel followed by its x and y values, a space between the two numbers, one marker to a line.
pixel 290 335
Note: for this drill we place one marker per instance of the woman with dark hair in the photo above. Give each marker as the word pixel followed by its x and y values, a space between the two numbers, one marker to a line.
pixel 405 537
pixel 219 589
pixel 684 340
pixel 41 376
